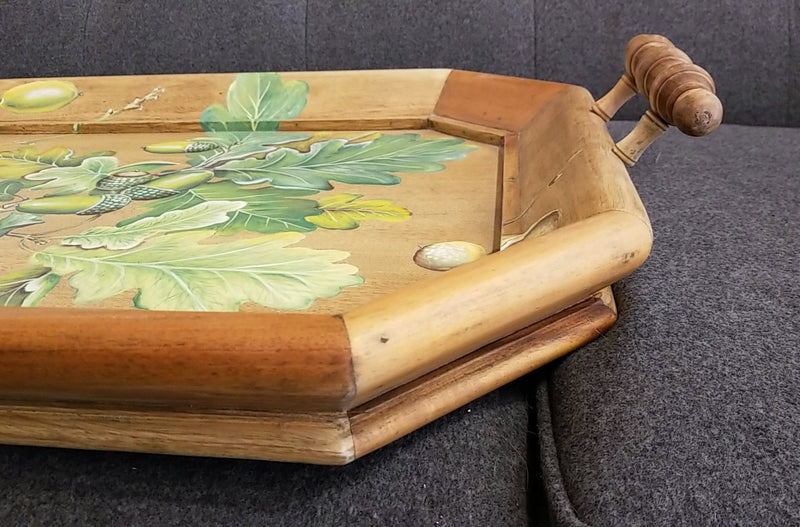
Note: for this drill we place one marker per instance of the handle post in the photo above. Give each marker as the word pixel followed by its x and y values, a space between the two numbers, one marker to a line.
pixel 680 93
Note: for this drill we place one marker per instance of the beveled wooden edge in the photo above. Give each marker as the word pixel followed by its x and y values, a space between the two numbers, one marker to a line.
pixel 493 101
pixel 188 360
pixel 404 335
pixel 320 438
pixel 419 402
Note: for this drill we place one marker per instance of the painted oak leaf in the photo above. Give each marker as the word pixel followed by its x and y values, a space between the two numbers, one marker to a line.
pixel 369 163
pixel 266 210
pixel 240 145
pixel 26 287
pixel 61 181
pixel 9 189
pixel 345 211
pixel 120 238
pixel 254 102
pixel 28 160
pixel 16 220
pixel 177 272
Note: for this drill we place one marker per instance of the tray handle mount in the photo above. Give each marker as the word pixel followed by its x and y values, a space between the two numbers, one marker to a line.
pixel 680 93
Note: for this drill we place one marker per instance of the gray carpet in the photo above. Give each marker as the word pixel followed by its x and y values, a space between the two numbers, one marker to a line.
pixel 688 411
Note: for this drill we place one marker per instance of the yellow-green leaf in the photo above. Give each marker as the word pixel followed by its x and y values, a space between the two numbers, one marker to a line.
pixel 28 160
pixel 345 211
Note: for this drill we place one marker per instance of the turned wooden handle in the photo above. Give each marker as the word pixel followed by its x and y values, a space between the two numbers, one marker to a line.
pixel 680 92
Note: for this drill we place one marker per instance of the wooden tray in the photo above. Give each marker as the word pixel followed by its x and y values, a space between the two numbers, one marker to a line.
pixel 241 265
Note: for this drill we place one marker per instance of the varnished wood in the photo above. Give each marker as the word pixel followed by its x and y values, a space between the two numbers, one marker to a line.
pixel 494 101
pixel 319 438
pixel 383 252
pixel 178 360
pixel 396 360
pixel 567 164
pixel 457 128
pixel 309 437
pixel 680 92
pixel 385 99
pixel 631 147
pixel 382 420
pixel 404 335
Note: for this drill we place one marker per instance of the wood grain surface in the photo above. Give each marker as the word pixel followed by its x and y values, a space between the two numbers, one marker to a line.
pixel 175 360
pixel 319 438
pixel 355 372
pixel 349 100
pixel 397 413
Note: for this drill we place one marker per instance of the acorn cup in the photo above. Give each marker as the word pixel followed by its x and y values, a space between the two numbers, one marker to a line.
pixel 123 180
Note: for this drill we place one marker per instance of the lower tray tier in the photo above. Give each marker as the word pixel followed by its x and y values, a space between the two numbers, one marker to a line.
pixel 321 438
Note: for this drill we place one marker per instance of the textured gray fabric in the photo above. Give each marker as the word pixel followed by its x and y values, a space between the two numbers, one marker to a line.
pixel 744 45
pixel 466 469
pixel 493 37
pixel 751 48
pixel 688 411
pixel 41 39
pixel 794 60
pixel 196 36
pixel 73 38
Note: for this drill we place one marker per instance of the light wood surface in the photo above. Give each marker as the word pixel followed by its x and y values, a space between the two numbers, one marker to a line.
pixel 338 100
pixel 383 252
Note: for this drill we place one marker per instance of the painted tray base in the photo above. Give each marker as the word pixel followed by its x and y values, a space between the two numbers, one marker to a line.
pixel 323 438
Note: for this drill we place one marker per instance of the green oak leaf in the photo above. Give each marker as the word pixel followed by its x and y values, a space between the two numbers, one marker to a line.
pixel 266 210
pixel 9 188
pixel 369 163
pixel 345 211
pixel 177 272
pixel 15 220
pixel 61 181
pixel 120 238
pixel 28 160
pixel 255 102
pixel 26 287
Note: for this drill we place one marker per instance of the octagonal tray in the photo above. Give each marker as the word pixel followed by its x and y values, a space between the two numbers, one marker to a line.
pixel 230 265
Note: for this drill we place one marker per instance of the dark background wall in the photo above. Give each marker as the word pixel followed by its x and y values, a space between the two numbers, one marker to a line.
pixel 579 42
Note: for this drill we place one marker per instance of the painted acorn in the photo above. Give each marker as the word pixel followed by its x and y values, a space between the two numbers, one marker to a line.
pixel 39 96
pixel 181 147
pixel 447 255
pixel 81 205
pixel 123 180
pixel 169 185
